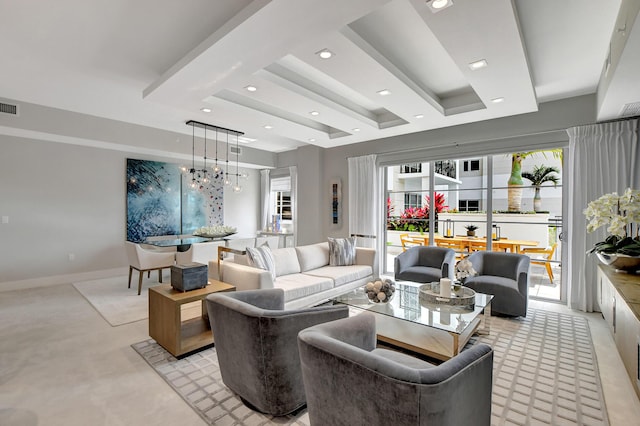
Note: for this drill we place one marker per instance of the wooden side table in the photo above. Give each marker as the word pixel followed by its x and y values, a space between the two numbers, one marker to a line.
pixel 166 325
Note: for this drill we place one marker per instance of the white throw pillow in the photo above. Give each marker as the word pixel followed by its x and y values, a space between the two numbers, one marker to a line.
pixel 261 257
pixel 342 251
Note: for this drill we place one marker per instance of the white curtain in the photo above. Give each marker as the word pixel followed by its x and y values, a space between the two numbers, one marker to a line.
pixel 293 173
pixel 603 158
pixel 364 199
pixel 265 198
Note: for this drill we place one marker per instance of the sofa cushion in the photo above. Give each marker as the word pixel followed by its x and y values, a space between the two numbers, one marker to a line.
pixel 296 286
pixel 342 251
pixel 313 256
pixel 342 274
pixel 286 261
pixel 261 257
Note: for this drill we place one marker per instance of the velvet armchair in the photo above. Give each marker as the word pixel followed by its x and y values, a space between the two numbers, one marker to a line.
pixel 424 264
pixel 256 343
pixel 348 381
pixel 506 276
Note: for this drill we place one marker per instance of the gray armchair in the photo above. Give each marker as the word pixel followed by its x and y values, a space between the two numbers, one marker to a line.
pixel 348 381
pixel 506 276
pixel 423 264
pixel 255 339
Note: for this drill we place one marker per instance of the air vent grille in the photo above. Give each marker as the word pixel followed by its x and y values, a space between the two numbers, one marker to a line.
pixel 8 109
pixel 234 150
pixel 630 110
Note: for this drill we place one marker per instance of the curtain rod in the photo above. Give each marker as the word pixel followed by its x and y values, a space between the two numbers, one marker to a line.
pixel 212 127
pixel 615 120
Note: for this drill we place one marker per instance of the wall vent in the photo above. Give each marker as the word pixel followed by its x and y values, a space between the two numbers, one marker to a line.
pixel 234 150
pixel 630 110
pixel 8 109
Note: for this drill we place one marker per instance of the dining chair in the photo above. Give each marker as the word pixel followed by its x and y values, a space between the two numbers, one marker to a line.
pixel 146 261
pixel 544 255
pixel 458 246
pixel 408 241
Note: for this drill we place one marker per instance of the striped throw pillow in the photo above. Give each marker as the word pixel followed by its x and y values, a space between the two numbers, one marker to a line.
pixel 261 257
pixel 342 251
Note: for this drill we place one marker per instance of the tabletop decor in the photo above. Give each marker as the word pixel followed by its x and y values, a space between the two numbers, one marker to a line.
pixel 464 270
pixel 430 294
pixel 216 231
pixel 471 230
pixel 621 215
pixel 380 290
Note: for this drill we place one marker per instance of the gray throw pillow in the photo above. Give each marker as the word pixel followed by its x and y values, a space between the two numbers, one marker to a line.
pixel 261 257
pixel 342 251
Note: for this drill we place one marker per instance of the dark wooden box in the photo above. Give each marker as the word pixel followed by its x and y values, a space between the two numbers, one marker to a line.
pixel 189 276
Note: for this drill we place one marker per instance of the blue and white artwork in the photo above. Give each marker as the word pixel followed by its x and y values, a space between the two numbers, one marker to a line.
pixel 160 201
pixel 203 204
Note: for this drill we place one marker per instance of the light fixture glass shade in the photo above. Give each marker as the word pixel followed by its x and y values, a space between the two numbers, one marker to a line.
pixel 237 188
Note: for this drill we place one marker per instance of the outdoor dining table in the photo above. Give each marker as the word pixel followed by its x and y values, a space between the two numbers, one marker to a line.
pixel 480 243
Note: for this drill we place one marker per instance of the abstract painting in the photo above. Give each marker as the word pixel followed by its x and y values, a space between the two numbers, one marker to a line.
pixel 160 201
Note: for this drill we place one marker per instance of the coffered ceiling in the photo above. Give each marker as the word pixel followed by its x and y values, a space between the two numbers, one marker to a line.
pixel 159 63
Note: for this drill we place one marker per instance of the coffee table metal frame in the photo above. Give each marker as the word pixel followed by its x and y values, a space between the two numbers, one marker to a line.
pixel 438 331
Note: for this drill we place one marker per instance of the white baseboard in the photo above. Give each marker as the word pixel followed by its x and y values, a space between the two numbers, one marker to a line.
pixel 62 279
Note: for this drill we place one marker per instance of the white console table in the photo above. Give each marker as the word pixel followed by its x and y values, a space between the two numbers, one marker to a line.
pixel 619 300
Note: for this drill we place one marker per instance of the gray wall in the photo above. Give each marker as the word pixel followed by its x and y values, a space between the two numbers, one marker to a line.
pixel 66 199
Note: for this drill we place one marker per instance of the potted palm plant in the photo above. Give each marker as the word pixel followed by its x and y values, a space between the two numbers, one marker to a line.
pixel 540 175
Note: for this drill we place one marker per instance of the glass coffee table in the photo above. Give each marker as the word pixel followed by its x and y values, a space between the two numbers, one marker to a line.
pixel 437 330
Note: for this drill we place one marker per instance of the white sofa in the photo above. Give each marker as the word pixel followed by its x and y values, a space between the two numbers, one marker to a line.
pixel 303 273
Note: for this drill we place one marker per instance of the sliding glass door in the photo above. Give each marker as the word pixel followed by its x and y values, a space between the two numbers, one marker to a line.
pixel 499 202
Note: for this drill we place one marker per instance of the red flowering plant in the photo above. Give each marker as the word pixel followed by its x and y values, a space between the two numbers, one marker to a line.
pixel 416 218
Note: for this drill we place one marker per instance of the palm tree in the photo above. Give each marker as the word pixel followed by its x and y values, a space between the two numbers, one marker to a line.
pixel 515 182
pixel 538 176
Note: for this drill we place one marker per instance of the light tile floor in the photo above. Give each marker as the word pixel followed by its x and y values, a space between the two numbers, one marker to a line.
pixel 62 364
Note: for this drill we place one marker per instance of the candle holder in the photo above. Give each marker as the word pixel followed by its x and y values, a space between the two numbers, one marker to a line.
pixel 448 228
pixel 495 235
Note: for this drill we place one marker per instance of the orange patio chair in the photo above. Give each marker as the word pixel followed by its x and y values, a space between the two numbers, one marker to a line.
pixel 543 258
pixel 408 241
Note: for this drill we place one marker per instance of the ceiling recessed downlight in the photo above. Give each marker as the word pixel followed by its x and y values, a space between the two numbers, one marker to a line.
pixel 419 116
pixel 438 5
pixel 312 140
pixel 384 92
pixel 268 127
pixel 482 63
pixel 314 113
pixel 497 100
pixel 251 88
pixel 325 53
pixel 356 129
pixel 205 109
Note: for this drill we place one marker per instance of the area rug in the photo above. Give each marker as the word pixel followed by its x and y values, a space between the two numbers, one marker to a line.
pixel 116 303
pixel 545 373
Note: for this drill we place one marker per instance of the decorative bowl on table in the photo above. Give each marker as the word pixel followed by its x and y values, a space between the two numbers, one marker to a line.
pixel 218 231
pixel 380 290
pixel 621 262
pixel 430 294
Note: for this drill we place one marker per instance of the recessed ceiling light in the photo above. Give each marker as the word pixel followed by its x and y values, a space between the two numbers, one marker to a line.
pixel 478 64
pixel 497 100
pixel 205 109
pixel 419 116
pixel 251 88
pixel 356 129
pixel 268 127
pixel 314 113
pixel 244 139
pixel 325 53
pixel 384 92
pixel 312 140
pixel 438 5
